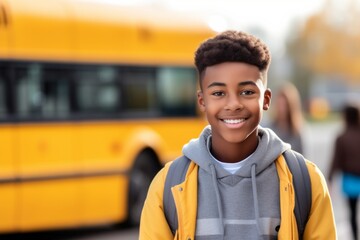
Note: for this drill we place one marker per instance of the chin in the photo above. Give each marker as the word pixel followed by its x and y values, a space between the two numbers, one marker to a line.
pixel 235 139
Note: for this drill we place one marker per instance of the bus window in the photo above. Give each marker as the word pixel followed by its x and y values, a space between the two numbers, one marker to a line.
pixel 42 91
pixel 176 91
pixel 55 92
pixel 138 89
pixel 3 96
pixel 97 90
pixel 28 90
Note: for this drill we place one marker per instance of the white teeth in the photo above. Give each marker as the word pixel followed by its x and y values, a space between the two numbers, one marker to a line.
pixel 233 121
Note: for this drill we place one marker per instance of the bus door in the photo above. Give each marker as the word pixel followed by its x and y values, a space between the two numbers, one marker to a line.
pixel 45 144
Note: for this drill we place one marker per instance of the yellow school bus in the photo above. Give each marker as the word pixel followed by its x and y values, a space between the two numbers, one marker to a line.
pixel 94 98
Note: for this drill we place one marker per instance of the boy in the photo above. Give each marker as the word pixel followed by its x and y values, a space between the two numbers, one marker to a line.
pixel 238 185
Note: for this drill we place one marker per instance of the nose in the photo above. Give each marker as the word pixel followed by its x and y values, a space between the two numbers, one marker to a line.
pixel 233 103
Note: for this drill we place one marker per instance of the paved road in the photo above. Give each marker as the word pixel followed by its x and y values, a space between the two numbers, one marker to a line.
pixel 319 143
pixel 95 233
pixel 319 139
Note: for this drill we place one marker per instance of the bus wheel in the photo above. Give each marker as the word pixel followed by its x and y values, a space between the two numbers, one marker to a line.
pixel 141 175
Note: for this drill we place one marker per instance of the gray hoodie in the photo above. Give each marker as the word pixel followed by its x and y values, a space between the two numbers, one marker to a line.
pixel 243 205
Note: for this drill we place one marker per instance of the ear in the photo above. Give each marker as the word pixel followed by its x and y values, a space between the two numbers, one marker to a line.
pixel 267 99
pixel 200 99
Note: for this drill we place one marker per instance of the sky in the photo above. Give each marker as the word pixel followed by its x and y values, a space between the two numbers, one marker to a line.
pixel 275 15
pixel 270 19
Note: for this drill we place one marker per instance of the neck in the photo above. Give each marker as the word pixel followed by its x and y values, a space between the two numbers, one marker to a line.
pixel 234 152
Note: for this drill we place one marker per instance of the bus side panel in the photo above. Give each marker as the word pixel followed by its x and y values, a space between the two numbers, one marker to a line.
pixel 50 177
pixel 40 31
pixel 177 132
pixel 8 207
pixel 104 199
pixel 7 152
pixel 8 190
pixel 49 204
pixel 103 196
pixel 4 30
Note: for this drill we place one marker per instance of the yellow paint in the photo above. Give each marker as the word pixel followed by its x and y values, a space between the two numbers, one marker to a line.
pixel 93 32
pixel 100 203
pixel 46 205
pixel 57 149
pixel 8 207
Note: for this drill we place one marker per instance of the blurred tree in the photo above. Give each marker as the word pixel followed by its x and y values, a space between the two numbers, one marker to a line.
pixel 329 43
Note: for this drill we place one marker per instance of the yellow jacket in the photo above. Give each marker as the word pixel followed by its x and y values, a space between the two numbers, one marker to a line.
pixel 320 226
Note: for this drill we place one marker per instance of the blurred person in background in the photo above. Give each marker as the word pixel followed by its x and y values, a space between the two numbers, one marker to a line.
pixel 287 118
pixel 346 159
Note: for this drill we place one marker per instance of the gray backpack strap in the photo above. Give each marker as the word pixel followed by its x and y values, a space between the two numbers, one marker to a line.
pixel 302 185
pixel 175 176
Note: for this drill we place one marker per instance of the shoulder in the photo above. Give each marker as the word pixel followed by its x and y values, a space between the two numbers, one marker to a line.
pixel 158 183
pixel 156 188
pixel 313 169
pixel 314 172
pixel 321 223
pixel 318 181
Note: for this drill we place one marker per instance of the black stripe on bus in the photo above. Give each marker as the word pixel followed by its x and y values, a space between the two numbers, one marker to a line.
pixel 65 176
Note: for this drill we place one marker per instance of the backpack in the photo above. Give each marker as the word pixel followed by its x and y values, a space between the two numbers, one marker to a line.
pixel 301 182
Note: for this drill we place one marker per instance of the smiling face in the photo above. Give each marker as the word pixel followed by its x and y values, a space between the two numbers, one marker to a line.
pixel 233 97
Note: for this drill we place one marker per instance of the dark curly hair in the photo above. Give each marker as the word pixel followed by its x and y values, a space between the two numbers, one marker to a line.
pixel 232 46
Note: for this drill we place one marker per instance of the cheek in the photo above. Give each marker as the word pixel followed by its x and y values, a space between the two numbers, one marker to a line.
pixel 211 111
pixel 258 106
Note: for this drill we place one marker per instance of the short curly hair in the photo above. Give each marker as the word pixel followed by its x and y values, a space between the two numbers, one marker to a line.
pixel 232 46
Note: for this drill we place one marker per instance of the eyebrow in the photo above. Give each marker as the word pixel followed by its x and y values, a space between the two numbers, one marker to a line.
pixel 220 84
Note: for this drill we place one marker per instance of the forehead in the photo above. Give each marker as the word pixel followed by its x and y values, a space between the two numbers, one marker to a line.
pixel 230 71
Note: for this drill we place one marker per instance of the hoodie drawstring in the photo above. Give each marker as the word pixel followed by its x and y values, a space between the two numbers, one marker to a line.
pixel 218 199
pixel 255 196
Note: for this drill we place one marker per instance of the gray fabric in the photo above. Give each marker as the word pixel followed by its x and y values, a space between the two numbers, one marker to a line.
pixel 243 204
pixel 176 175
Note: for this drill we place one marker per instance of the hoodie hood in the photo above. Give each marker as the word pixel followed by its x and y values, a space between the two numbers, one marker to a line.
pixel 269 148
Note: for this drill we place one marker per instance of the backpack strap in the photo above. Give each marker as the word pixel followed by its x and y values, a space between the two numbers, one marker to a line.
pixel 302 185
pixel 176 175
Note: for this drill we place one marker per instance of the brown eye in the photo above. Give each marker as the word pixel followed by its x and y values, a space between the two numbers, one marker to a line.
pixel 247 92
pixel 218 94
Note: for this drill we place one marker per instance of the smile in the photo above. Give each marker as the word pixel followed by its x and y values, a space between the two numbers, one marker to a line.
pixel 234 121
